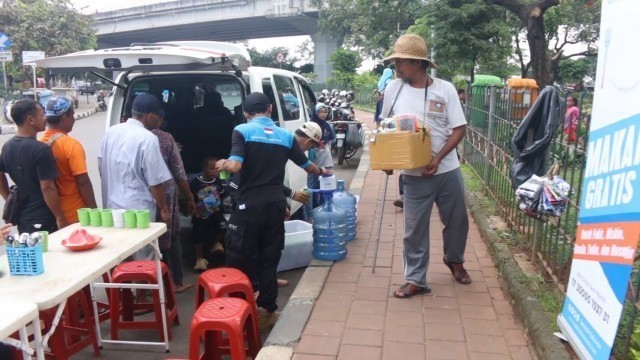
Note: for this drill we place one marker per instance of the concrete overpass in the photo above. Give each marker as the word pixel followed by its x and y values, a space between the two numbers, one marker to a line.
pixel 219 20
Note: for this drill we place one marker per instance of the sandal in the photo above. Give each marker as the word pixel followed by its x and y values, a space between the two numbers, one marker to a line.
pixel 404 293
pixel 462 276
pixel 180 288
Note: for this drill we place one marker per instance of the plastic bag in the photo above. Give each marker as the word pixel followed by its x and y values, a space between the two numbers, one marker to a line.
pixel 540 196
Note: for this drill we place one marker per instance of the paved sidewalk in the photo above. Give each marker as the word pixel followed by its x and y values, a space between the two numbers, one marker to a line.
pixel 357 317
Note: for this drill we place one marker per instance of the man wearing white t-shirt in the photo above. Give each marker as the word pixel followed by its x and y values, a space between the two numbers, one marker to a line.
pixel 435 102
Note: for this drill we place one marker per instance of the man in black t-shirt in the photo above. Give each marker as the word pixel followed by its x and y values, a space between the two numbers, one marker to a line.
pixel 32 167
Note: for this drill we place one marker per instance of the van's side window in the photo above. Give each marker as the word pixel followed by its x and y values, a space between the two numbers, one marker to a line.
pixel 308 97
pixel 288 96
pixel 267 89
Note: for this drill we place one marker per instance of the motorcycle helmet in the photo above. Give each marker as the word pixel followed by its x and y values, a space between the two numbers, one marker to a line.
pixel 342 94
pixel 345 114
pixel 7 111
pixel 322 98
pixel 325 92
pixel 334 92
pixel 351 96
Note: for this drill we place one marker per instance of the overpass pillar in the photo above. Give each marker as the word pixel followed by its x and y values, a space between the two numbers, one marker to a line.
pixel 324 47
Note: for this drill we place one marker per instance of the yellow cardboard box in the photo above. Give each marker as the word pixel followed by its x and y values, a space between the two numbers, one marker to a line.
pixel 400 150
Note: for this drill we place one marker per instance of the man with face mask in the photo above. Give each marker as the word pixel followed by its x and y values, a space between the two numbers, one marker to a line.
pixel 131 165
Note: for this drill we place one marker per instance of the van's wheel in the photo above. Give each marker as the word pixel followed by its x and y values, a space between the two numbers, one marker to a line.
pixel 341 154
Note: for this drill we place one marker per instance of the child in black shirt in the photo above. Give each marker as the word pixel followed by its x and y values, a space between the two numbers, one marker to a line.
pixel 209 224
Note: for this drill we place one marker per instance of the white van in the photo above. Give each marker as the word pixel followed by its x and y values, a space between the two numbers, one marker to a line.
pixel 190 78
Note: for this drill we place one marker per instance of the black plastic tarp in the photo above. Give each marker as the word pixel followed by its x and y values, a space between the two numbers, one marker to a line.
pixel 532 138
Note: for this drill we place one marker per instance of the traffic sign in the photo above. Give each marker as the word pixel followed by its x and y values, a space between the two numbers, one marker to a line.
pixel 6 56
pixel 5 42
pixel 28 56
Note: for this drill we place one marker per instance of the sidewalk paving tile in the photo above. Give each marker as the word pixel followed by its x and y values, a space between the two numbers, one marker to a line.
pixel 350 352
pixel 357 317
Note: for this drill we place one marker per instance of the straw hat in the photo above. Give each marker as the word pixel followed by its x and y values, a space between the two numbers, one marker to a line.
pixel 411 46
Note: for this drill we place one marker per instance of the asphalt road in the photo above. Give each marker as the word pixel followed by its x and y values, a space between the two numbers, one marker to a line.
pixel 89 132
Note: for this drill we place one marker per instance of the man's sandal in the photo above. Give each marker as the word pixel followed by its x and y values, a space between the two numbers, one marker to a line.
pixel 404 291
pixel 462 276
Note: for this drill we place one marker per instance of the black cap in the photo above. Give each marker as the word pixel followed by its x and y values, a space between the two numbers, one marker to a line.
pixel 146 103
pixel 256 103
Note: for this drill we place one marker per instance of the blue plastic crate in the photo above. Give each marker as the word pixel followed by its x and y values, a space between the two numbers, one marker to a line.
pixel 25 260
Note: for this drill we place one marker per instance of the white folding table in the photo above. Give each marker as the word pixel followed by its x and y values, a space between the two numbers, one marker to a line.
pixel 15 316
pixel 67 272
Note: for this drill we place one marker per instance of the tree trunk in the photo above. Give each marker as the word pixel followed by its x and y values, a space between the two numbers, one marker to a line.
pixel 538 48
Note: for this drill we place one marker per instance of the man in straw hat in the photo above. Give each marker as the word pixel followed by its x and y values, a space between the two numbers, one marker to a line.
pixel 435 102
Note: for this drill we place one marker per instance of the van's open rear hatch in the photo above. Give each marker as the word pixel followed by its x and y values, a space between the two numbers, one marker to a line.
pixel 170 56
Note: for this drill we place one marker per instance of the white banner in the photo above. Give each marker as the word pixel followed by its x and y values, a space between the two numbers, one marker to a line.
pixel 607 236
pixel 6 56
pixel 28 56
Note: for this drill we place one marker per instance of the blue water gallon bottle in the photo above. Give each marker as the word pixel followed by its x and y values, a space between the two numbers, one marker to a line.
pixel 347 202
pixel 329 230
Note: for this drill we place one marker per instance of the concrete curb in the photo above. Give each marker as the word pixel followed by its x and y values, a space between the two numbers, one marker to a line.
pixel 288 329
pixel 536 322
pixel 7 129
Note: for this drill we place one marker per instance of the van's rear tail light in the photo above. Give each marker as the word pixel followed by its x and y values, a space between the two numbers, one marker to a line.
pixel 112 63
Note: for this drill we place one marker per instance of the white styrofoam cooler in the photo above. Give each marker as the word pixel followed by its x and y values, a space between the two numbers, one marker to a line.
pixel 298 244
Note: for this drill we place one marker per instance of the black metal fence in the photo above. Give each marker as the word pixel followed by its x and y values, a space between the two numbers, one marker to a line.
pixel 493 115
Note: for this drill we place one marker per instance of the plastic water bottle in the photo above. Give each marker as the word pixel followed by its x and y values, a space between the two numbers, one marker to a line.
pixel 347 202
pixel 329 230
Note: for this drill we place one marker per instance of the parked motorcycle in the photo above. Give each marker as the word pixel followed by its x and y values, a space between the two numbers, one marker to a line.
pixel 349 135
pixel 102 104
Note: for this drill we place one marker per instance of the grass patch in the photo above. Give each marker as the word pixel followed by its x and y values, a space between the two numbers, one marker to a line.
pixel 365 107
pixel 471 181
pixel 474 185
pixel 547 294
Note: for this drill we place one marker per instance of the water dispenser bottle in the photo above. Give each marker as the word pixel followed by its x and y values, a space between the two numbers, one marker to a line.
pixel 347 202
pixel 329 227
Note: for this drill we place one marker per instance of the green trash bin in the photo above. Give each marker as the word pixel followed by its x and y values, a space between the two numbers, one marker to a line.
pixel 479 104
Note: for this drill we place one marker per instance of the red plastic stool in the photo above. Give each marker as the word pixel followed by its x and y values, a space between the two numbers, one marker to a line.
pixel 142 272
pixel 75 331
pixel 225 314
pixel 226 281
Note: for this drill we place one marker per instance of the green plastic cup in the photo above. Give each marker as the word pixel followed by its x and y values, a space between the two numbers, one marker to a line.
pixel 224 175
pixel 95 217
pixel 83 216
pixel 143 218
pixel 106 216
pixel 130 219
pixel 45 240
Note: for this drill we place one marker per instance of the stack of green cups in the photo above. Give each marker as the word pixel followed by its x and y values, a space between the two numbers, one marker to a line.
pixel 130 219
pixel 83 216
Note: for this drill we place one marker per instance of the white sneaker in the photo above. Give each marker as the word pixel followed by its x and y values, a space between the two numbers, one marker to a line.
pixel 201 265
